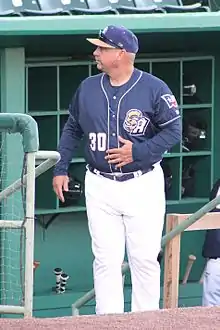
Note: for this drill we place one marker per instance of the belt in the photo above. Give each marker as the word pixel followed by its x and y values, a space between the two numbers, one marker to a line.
pixel 214 258
pixel 119 176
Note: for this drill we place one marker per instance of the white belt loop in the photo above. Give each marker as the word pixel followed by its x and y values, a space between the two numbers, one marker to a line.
pixel 137 174
pixel 96 171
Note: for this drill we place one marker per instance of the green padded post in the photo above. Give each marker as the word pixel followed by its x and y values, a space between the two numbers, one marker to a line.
pixel 23 124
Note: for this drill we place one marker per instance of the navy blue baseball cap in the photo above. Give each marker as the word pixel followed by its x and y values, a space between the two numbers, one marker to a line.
pixel 116 37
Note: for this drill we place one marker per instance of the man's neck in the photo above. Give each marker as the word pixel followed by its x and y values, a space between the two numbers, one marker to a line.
pixel 120 77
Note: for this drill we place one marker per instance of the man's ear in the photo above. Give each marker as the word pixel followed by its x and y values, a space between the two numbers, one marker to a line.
pixel 121 54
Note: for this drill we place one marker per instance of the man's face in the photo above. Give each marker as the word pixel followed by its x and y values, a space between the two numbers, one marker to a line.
pixel 107 58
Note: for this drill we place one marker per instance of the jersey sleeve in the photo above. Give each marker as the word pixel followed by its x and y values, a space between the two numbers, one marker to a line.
pixel 165 107
pixel 70 138
pixel 166 117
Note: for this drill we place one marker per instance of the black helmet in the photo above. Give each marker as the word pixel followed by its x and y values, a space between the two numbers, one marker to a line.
pixel 74 193
pixel 194 134
pixel 188 180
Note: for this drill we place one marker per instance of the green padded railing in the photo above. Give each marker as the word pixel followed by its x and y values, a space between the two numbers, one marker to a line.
pixel 166 238
pixel 23 124
pixel 28 128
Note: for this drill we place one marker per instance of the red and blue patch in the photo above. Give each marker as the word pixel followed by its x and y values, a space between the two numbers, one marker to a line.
pixel 170 100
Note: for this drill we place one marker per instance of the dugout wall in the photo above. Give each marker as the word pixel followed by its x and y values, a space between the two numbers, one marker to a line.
pixel 43 59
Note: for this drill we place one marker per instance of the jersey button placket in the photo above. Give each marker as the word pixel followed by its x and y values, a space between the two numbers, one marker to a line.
pixel 113 126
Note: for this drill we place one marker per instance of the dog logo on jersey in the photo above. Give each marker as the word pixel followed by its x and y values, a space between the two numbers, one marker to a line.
pixel 135 122
pixel 170 100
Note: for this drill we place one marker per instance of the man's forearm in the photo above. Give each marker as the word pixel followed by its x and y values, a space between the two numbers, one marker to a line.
pixel 150 151
pixel 68 144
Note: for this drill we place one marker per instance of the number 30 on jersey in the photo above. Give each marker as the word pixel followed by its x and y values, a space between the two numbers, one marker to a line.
pixel 97 141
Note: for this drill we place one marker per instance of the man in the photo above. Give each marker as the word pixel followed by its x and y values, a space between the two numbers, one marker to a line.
pixel 211 251
pixel 128 118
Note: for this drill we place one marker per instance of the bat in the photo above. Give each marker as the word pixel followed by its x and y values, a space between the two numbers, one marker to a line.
pixel 189 265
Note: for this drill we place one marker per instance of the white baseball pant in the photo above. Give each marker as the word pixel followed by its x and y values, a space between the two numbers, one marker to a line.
pixel 126 214
pixel 211 283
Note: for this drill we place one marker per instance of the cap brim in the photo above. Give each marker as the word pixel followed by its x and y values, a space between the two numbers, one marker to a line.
pixel 99 43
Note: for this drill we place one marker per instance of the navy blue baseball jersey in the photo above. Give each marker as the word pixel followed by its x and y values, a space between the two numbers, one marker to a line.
pixel 143 110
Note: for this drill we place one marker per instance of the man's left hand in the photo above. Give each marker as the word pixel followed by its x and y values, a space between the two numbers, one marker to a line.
pixel 120 156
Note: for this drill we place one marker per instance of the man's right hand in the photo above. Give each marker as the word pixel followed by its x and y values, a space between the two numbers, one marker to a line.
pixel 60 183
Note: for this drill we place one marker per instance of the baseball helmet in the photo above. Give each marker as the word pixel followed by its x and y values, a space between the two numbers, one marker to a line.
pixel 74 192
pixel 194 134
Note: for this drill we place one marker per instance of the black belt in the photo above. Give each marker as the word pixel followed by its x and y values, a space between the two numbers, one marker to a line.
pixel 119 176
pixel 214 258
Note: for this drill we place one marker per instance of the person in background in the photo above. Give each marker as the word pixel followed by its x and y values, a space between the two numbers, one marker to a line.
pixel 211 251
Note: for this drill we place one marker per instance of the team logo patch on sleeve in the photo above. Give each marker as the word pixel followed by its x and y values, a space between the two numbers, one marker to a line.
pixel 135 122
pixel 170 100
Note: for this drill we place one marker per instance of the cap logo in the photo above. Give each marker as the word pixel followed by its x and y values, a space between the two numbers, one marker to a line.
pixel 105 30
